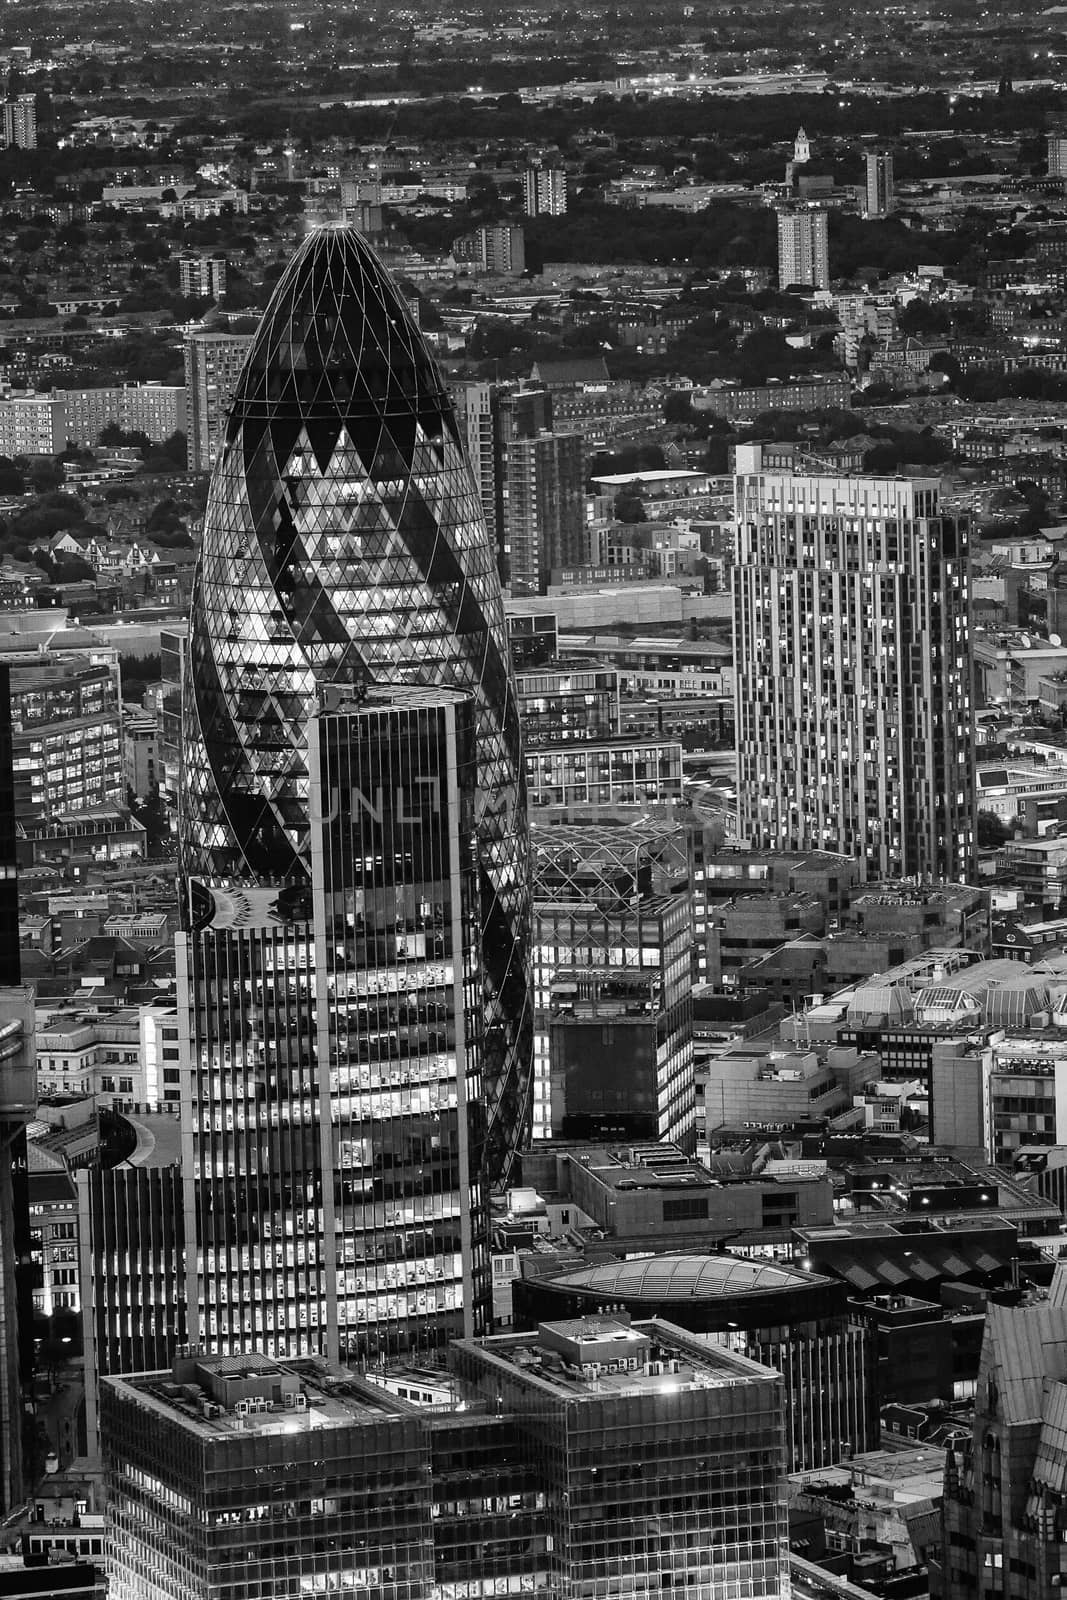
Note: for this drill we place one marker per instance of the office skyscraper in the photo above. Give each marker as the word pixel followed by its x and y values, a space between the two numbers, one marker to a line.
pixel 213 363
pixel 803 252
pixel 343 545
pixel 878 183
pixel 591 1458
pixel 853 671
pixel 335 1188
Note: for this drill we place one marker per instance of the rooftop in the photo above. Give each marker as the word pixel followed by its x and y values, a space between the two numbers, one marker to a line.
pixel 230 1397
pixel 590 1357
pixel 687 1277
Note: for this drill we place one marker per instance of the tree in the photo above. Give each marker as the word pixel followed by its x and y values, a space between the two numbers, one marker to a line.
pixel 678 407
pixel 992 832
pixel 629 507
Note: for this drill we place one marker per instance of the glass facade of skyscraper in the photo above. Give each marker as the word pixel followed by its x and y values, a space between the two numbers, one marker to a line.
pixel 344 544
pixel 334 1188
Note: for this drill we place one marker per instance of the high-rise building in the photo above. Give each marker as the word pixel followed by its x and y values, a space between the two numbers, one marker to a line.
pixel 1057 155
pixel 613 933
pixel 20 122
pixel 853 671
pixel 66 721
pixel 803 251
pixel 591 1457
pixel 1003 1516
pixel 544 510
pixel 343 545
pixel 18 1104
pixel 33 425
pixel 498 248
pixel 478 415
pixel 213 363
pixel 336 1040
pixel 544 190
pixel 878 183
pixel 202 275
pixel 490 416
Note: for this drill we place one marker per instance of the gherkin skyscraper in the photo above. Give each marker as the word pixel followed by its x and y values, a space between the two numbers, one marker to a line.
pixel 344 554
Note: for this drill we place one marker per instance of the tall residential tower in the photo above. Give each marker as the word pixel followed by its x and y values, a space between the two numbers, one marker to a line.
pixel 854 701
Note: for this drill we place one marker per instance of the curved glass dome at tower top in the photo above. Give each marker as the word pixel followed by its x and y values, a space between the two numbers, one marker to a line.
pixel 344 542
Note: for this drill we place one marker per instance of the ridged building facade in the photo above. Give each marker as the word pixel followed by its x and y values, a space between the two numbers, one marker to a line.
pixel 854 675
pixel 344 550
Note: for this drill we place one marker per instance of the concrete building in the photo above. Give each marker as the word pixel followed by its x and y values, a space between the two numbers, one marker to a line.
pixel 202 276
pixel 141 755
pixel 66 721
pixel 803 250
pixel 1057 155
pixel 878 183
pixel 544 190
pixel 831 574
pixel 20 122
pixel 544 507
pixel 491 416
pixel 155 409
pixel 125 1057
pixel 749 1087
pixel 649 1198
pixel 213 363
pixel 498 249
pixel 33 425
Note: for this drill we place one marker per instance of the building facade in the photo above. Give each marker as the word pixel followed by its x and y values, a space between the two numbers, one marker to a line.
pixel 344 544
pixel 613 930
pixel 544 511
pixel 155 409
pixel 334 1188
pixel 20 122
pixel 213 363
pixel 66 720
pixel 854 700
pixel 803 248
pixel 605 773
pixel 878 183
pixel 544 190
pixel 35 425
pixel 587 1458
pixel 1003 1508
pixel 796 1322
pixel 202 276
